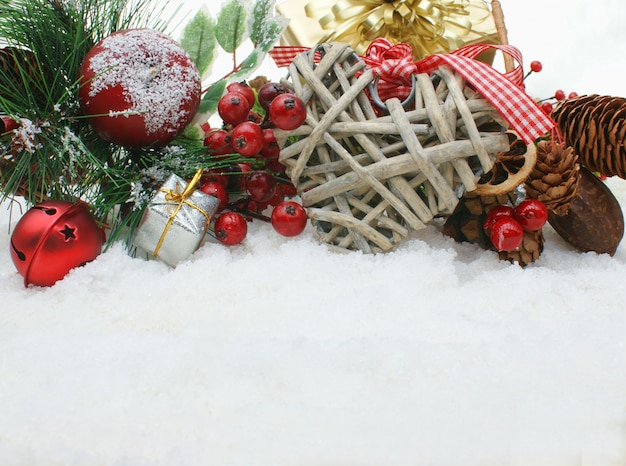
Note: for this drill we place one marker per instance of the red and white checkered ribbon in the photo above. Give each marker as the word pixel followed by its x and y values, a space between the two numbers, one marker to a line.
pixel 504 91
pixel 393 65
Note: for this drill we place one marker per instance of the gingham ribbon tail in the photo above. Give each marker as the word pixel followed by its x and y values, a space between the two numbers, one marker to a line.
pixel 504 91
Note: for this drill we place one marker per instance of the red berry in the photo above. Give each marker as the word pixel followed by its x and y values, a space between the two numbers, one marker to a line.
pixel 269 91
pixel 287 111
pixel 218 142
pixel 496 213
pixel 230 228
pixel 260 186
pixel 536 66
pixel 547 108
pixel 289 218
pixel 214 175
pixel 237 174
pixel 506 234
pixel 271 149
pixel 275 166
pixel 247 138
pixel 572 95
pixel 532 214
pixel 559 94
pixel 217 190
pixel 233 108
pixel 277 197
pixel 139 88
pixel 289 190
pixel 244 89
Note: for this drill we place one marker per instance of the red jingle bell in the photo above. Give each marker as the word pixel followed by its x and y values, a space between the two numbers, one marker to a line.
pixel 52 238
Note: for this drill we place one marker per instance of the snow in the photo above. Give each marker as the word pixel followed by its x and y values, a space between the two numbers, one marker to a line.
pixel 279 352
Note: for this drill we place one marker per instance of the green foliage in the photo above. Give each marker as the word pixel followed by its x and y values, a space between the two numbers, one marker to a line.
pixel 266 27
pixel 199 41
pixel 211 97
pixel 231 26
pixel 55 153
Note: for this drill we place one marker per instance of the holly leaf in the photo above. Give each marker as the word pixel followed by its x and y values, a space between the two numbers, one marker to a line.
pixel 199 40
pixel 266 27
pixel 231 25
pixel 208 104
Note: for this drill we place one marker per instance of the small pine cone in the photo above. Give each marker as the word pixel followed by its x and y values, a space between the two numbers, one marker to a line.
pixel 528 252
pixel 466 223
pixel 554 180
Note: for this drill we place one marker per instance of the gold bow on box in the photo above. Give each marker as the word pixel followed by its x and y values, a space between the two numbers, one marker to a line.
pixel 428 26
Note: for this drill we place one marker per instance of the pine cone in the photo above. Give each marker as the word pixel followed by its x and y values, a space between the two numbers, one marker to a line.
pixel 554 180
pixel 528 252
pixel 466 224
pixel 595 127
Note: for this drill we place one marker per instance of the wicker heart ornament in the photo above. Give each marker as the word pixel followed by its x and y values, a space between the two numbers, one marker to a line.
pixel 369 172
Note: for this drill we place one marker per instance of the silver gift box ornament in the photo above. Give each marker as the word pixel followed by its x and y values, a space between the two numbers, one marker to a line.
pixel 175 221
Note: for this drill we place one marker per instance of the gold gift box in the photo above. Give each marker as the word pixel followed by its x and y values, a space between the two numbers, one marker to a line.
pixel 305 31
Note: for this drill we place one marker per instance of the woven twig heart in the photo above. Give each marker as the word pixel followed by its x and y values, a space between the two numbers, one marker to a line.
pixel 368 177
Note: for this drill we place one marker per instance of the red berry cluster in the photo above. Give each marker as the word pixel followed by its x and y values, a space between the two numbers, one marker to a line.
pixel 247 189
pixel 547 105
pixel 506 224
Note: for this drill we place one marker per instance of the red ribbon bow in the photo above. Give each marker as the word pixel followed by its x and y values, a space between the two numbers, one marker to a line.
pixel 504 91
pixel 393 65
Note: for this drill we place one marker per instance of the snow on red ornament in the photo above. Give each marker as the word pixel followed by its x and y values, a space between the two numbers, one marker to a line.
pixel 139 88
pixel 52 238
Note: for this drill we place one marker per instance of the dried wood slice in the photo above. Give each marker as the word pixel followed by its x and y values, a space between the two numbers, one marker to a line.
pixel 594 221
pixel 510 169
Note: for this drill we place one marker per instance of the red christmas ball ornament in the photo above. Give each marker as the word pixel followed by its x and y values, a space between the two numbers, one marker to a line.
pixel 139 88
pixel 52 238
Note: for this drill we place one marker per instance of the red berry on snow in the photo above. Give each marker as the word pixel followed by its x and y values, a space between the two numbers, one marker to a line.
pixel 506 234
pixel 289 218
pixel 532 214
pixel 247 138
pixel 287 112
pixel 233 108
pixel 230 228
pixel 139 88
